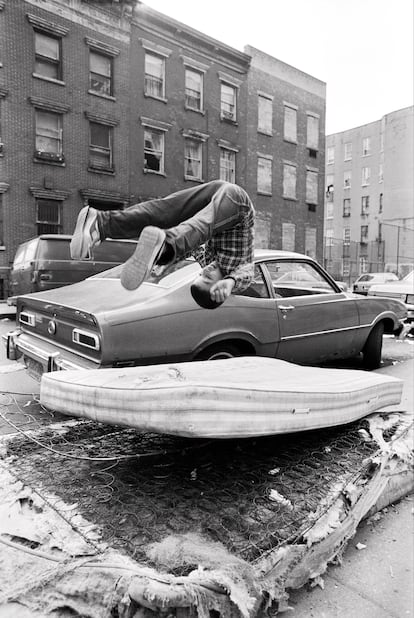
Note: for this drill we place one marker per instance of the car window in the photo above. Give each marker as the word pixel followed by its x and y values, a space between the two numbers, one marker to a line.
pixel 51 249
pixel 19 257
pixel 113 251
pixel 258 287
pixel 363 278
pixel 291 278
pixel 30 251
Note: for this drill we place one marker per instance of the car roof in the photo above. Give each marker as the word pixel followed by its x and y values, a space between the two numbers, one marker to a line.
pixel 264 254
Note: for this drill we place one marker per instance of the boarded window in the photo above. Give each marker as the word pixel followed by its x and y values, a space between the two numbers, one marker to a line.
pixel 310 241
pixel 289 181
pixel 312 133
pixel 264 114
pixel 290 124
pixel 264 175
pixel 311 187
pixel 288 236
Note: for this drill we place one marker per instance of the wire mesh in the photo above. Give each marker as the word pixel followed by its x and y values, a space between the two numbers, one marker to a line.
pixel 140 487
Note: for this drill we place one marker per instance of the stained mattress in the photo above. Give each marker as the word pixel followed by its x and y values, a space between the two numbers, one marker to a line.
pixel 234 398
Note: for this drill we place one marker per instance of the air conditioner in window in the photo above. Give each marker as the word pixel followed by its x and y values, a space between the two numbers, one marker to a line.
pixel 227 115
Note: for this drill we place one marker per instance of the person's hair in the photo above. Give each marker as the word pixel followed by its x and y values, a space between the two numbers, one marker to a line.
pixel 201 295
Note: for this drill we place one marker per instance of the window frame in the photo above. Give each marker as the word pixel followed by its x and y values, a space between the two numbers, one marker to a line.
pixel 228 115
pixel 286 177
pixel 106 151
pixel 45 60
pixel 110 79
pixel 161 133
pixel 330 159
pixel 228 172
pixel 286 134
pixel 348 151
pixel 366 176
pixel 364 204
pixel 366 151
pixel 265 115
pixel 52 156
pixel 188 105
pixel 147 91
pixel 347 179
pixel 198 161
pixel 268 167
pixel 49 227
pixel 312 198
pixel 346 207
pixel 312 131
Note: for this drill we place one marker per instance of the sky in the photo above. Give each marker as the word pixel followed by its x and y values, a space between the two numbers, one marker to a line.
pixel 362 49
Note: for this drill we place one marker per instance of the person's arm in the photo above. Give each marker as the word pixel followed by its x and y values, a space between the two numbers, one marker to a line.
pixel 242 276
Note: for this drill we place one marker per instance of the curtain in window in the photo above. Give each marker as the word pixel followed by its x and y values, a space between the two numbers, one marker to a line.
pixel 192 159
pixel 48 133
pixel 153 150
pixel 100 73
pixel 193 82
pixel 154 75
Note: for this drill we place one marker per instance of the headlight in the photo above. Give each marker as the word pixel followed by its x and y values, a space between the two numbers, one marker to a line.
pixel 410 299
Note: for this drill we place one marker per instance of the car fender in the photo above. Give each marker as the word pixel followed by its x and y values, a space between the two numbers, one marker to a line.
pixel 244 339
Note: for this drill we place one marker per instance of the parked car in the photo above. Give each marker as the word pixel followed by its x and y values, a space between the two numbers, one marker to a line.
pixel 364 282
pixel 402 290
pixel 44 262
pixel 293 310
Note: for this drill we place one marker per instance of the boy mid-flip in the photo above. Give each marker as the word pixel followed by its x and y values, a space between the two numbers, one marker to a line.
pixel 213 221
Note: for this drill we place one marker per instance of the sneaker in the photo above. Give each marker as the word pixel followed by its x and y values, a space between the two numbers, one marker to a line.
pixel 139 265
pixel 86 234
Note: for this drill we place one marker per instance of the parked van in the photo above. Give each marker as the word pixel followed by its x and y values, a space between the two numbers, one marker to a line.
pixel 44 262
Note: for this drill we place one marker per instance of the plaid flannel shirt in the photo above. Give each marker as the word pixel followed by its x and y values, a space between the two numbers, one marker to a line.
pixel 232 250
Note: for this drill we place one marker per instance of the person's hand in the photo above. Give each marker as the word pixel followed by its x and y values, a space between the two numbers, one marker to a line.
pixel 222 289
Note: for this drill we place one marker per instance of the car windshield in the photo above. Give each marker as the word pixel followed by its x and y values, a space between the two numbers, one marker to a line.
pixel 163 276
pixel 409 278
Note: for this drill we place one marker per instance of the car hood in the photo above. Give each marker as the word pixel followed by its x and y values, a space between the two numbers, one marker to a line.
pixel 97 296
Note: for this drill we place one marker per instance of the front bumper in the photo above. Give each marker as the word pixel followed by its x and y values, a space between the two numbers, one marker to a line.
pixel 31 350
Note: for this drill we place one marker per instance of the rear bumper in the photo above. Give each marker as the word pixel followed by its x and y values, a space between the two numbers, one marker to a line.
pixel 19 345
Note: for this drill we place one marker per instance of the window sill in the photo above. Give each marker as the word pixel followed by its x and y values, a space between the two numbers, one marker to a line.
pixel 264 132
pixel 147 171
pixel 2 248
pixel 98 170
pixel 267 193
pixel 153 96
pixel 49 162
pixel 52 80
pixel 292 199
pixel 109 97
pixel 188 108
pixel 193 179
pixel 229 120
pixel 290 141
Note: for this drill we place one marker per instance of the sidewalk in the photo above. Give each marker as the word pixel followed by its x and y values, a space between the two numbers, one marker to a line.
pixel 376 575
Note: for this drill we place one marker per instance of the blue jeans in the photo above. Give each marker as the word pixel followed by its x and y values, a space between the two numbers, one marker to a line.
pixel 189 217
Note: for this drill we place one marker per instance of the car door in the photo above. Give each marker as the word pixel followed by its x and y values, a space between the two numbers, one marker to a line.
pixel 316 321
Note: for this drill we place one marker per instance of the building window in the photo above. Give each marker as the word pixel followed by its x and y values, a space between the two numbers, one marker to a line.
pixel 364 233
pixel 329 192
pixel 1 221
pixel 363 265
pixel 194 89
pixel 289 181
pixel 264 175
pixel 153 150
pixel 48 216
pixel 381 172
pixel 329 210
pixel 288 236
pixel 364 204
pixel 154 76
pixel 366 146
pixel 290 124
pixel 48 139
pixel 347 242
pixel 379 239
pixel 228 101
pixel 381 199
pixel 329 238
pixel 100 146
pixel 193 163
pixel 100 73
pixel 265 114
pixel 310 241
pixel 346 210
pixel 311 187
pixel 227 165
pixel 48 55
pixel 366 175
pixel 347 151
pixel 312 132
pixel 347 179
pixel 330 155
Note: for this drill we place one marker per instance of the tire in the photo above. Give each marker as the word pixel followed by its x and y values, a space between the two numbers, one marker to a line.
pixel 219 351
pixel 372 350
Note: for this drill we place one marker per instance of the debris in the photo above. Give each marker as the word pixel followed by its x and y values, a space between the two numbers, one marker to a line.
pixel 274 471
pixel 360 546
pixel 275 496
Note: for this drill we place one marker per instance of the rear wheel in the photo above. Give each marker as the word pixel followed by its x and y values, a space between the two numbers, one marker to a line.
pixel 372 350
pixel 219 351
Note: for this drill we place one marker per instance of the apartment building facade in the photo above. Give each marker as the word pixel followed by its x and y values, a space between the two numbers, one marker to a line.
pixel 369 197
pixel 110 103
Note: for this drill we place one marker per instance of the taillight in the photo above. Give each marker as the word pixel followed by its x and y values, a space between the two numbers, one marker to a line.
pixel 27 318
pixel 84 338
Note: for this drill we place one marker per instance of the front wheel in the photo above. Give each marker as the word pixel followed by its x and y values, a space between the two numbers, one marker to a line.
pixel 372 350
pixel 219 351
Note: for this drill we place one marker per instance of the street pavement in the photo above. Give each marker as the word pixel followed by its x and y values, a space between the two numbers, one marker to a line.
pixel 376 575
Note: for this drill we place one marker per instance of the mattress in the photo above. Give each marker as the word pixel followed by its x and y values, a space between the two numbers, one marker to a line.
pixel 232 398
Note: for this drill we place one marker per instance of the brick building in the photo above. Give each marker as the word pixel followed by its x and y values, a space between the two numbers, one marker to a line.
pixel 111 102
pixel 369 222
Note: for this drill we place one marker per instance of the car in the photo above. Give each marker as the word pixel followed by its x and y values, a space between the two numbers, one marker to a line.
pixel 293 310
pixel 44 262
pixel 402 290
pixel 364 282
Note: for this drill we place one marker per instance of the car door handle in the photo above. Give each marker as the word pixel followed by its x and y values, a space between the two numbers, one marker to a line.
pixel 286 307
